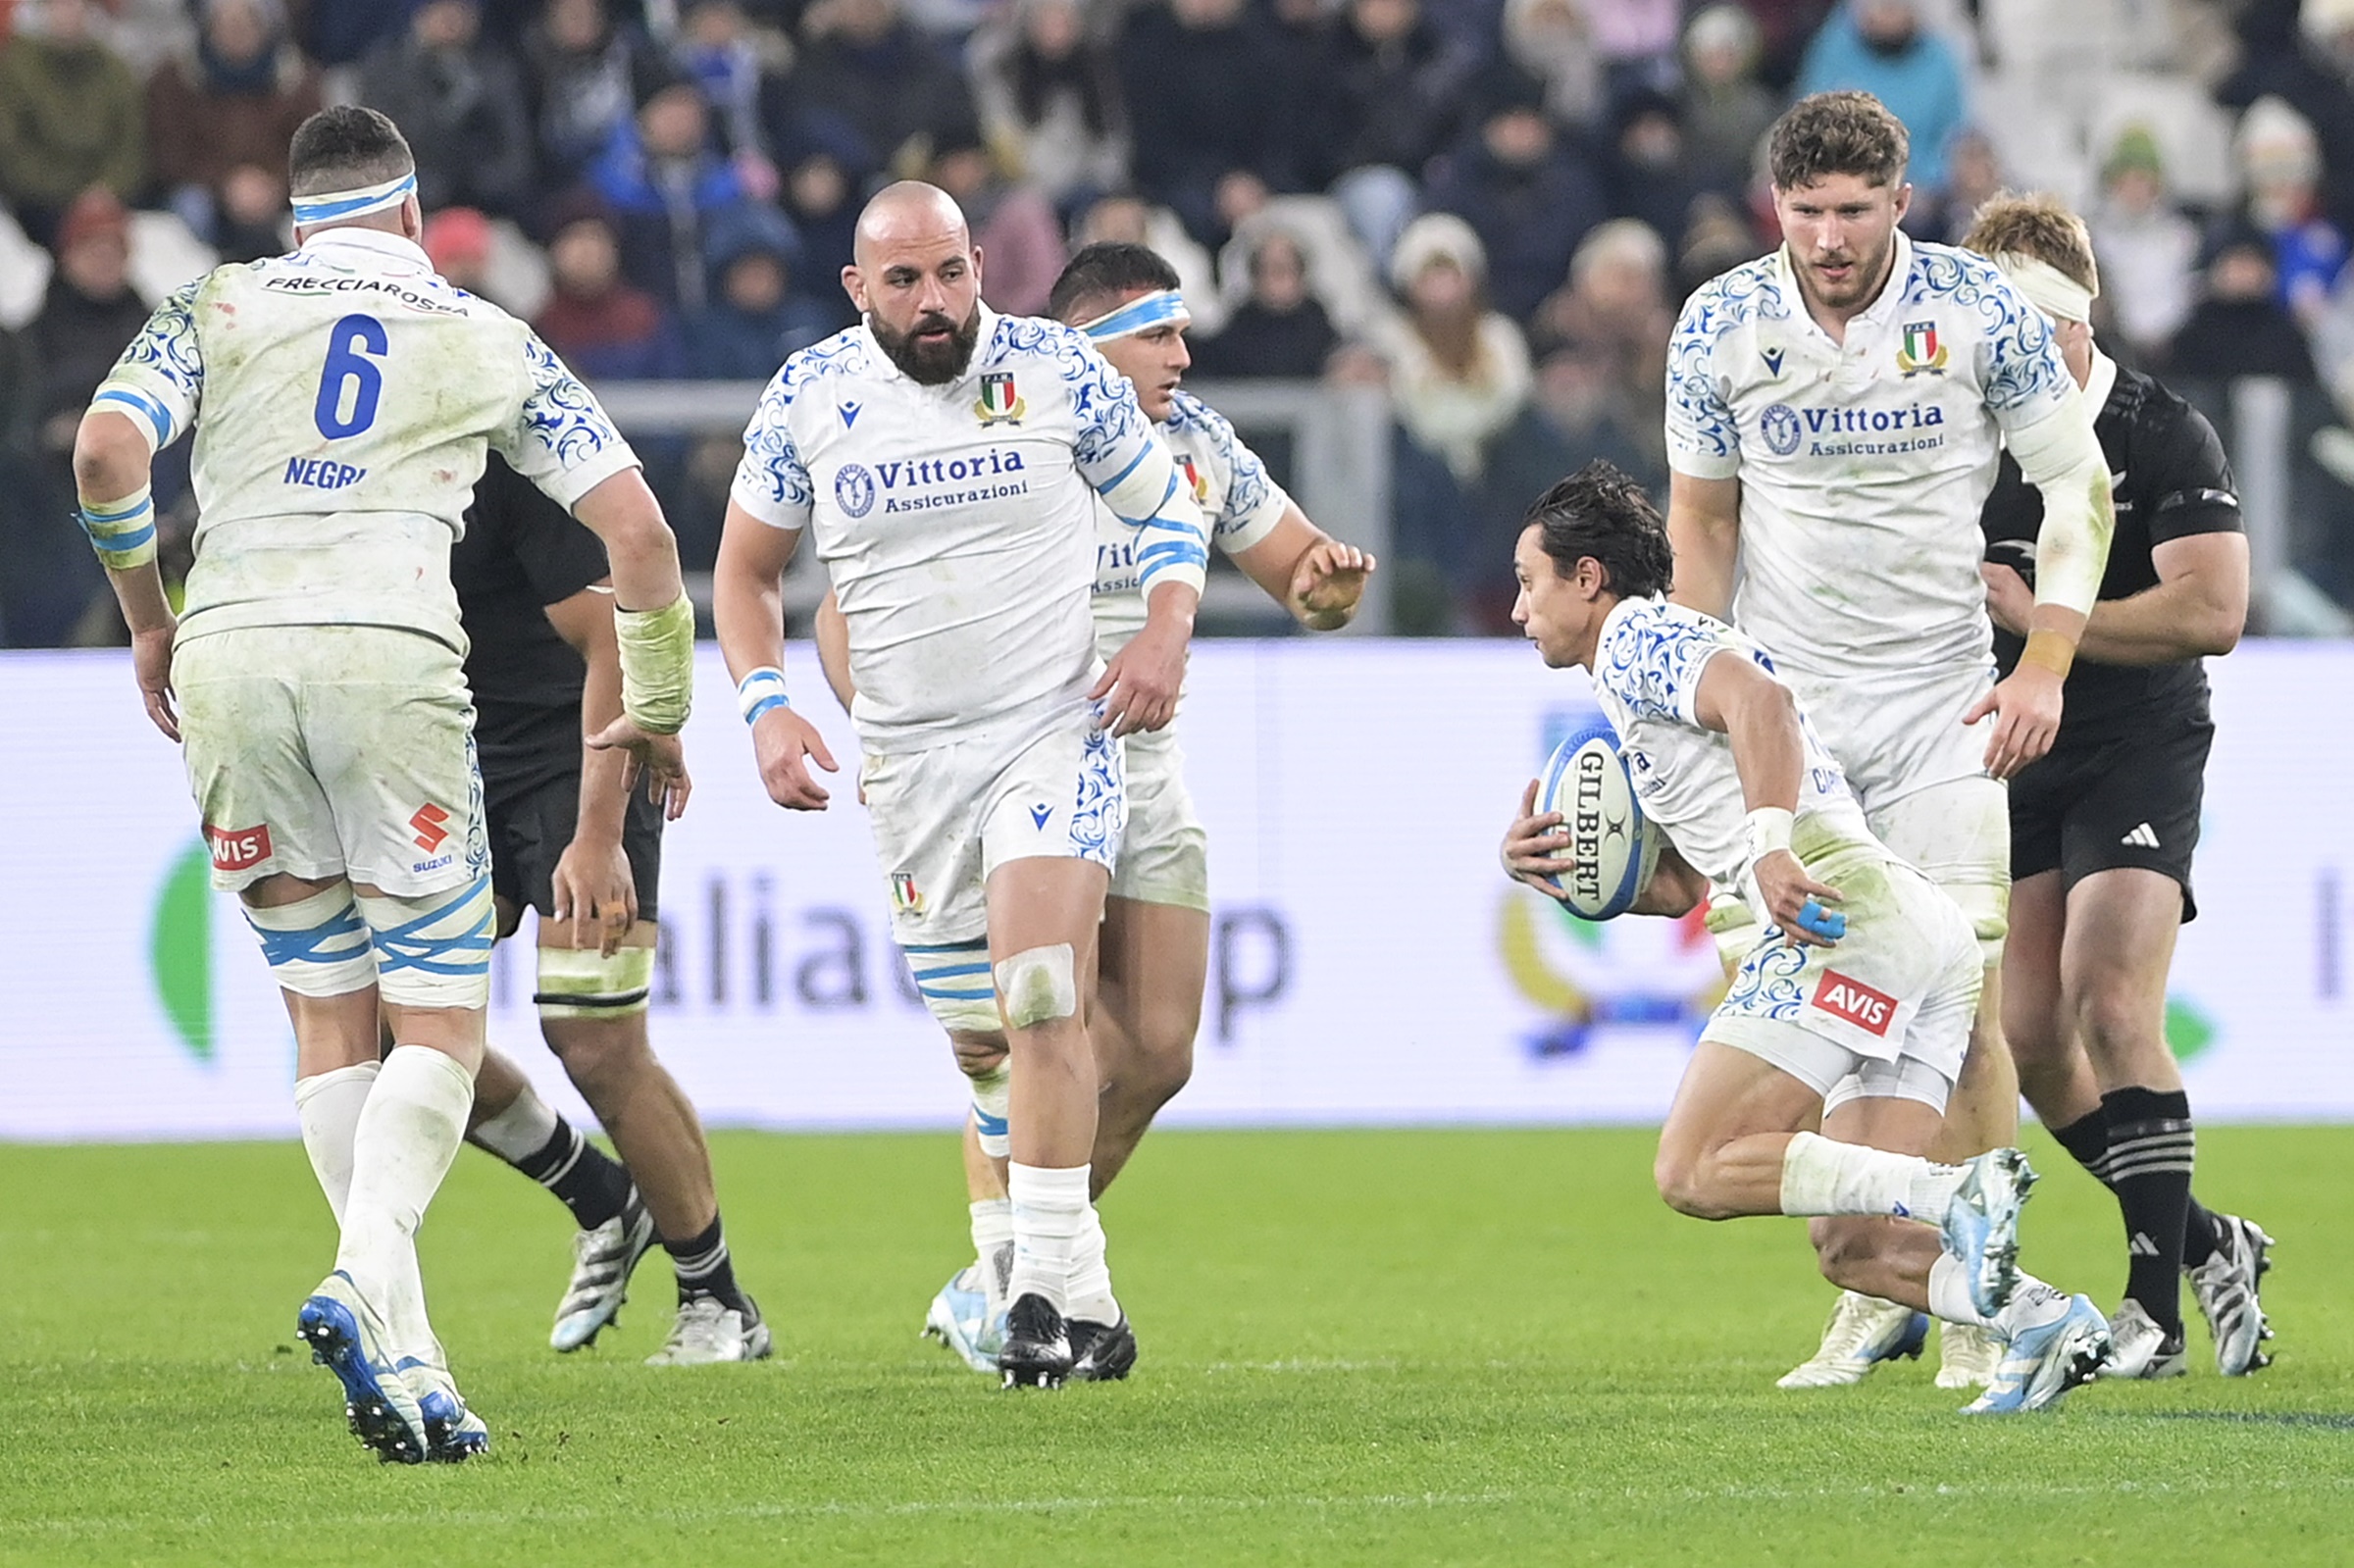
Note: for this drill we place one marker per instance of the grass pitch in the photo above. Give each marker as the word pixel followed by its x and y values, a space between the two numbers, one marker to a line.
pixel 1428 1347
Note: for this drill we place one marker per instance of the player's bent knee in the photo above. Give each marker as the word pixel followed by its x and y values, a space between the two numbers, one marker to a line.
pixel 316 946
pixel 433 950
pixel 1844 1245
pixel 583 983
pixel 1039 986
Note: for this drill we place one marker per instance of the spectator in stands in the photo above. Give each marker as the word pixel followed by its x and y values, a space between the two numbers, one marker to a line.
pixel 2148 250
pixel 341 32
pixel 1635 40
pixel 1719 239
pixel 1649 175
pixel 757 315
pixel 224 111
pixel 588 73
pixel 1458 370
pixel 1012 222
pixel 665 187
pixel 1881 47
pixel 822 203
pixel 1785 28
pixel 458 99
pixel 1616 304
pixel 1050 96
pixel 1727 111
pixel 1133 220
pixel 2281 162
pixel 72 116
pixel 1524 188
pixel 1209 96
pixel 865 66
pixel 719 50
pixel 1552 40
pixel 1280 330
pixel 595 321
pixel 1393 89
pixel 2239 328
pixel 489 258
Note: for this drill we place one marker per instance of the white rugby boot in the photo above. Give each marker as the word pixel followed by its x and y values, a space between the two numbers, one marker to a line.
pixel 1981 1224
pixel 708 1330
pixel 960 1319
pixel 1966 1355
pixel 348 1337
pixel 602 1261
pixel 1863 1330
pixel 2225 1286
pixel 2061 1349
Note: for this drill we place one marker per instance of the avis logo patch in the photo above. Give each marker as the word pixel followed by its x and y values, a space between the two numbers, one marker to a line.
pixel 1039 816
pixel 1869 1010
pixel 431 834
pixel 238 849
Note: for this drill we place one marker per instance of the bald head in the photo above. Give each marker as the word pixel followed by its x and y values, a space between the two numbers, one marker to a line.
pixel 917 279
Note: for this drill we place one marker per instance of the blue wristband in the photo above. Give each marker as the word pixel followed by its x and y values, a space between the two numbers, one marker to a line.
pixel 774 700
pixel 761 691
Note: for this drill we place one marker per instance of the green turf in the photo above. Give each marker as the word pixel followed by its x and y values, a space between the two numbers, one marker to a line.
pixel 1428 1347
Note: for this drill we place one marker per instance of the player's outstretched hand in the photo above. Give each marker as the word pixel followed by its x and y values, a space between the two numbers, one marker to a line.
pixel 1533 846
pixel 1139 686
pixel 1327 583
pixel 2010 602
pixel 151 658
pixel 659 760
pixel 596 893
pixel 1787 889
pixel 2025 704
pixel 783 745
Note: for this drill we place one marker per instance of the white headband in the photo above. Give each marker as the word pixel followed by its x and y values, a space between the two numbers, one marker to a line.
pixel 333 206
pixel 2048 288
pixel 1140 314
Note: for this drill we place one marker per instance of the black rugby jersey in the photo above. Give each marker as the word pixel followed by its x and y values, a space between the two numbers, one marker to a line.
pixel 2170 479
pixel 522 553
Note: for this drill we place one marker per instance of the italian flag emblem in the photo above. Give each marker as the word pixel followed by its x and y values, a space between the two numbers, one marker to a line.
pixel 1921 351
pixel 1000 401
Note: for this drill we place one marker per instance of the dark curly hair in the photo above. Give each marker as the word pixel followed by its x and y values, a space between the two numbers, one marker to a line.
pixel 1837 134
pixel 1601 513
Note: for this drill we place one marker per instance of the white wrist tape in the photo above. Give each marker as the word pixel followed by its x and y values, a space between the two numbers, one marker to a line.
pixel 1768 830
pixel 756 693
pixel 657 665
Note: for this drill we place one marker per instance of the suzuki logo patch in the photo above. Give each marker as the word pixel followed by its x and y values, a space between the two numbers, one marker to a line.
pixel 427 822
pixel 1869 1010
pixel 238 849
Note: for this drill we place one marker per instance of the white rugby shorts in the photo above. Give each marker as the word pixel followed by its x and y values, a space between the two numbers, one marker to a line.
pixel 1164 855
pixel 946 817
pixel 332 751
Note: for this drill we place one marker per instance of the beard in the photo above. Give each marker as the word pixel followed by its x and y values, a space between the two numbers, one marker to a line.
pixel 934 362
pixel 1868 272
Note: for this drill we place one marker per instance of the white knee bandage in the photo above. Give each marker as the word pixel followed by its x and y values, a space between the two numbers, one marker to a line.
pixel 583 983
pixel 316 946
pixel 954 980
pixel 1039 986
pixel 992 1102
pixel 434 950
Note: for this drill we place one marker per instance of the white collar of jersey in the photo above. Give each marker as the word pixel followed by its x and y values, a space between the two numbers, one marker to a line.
pixel 1892 292
pixel 982 337
pixel 386 247
pixel 2101 383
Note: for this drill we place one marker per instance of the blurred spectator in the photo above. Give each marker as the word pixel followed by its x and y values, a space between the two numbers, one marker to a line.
pixel 2283 165
pixel 1522 187
pixel 1727 111
pixel 1339 275
pixel 1648 175
pixel 1582 400
pixel 1784 29
pixel 225 111
pixel 757 315
pixel 594 321
pixel 1616 304
pixel 1392 89
pixel 589 73
pixel 1207 96
pixel 1717 241
pixel 721 53
pixel 1280 330
pixel 1133 220
pixel 1459 372
pixel 1635 40
pixel 341 32
pixel 1552 40
pixel 143 33
pixel 489 258
pixel 823 205
pixel 665 187
pixel 1050 96
pixel 865 66
pixel 1881 47
pixel 2148 250
pixel 2239 328
pixel 1974 176
pixel 1014 225
pixel 2302 51
pixel 72 116
pixel 457 98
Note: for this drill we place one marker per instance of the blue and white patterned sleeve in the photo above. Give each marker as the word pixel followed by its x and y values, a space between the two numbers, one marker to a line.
pixel 1651 659
pixel 560 438
pixel 2020 371
pixel 1254 503
pixel 772 483
pixel 159 380
pixel 1123 458
pixel 1703 439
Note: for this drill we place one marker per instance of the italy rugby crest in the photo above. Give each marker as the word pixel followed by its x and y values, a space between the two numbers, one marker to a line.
pixel 1195 480
pixel 1920 350
pixel 1000 400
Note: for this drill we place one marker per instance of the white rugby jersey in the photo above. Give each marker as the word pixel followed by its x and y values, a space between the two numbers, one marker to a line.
pixel 1863 463
pixel 341 398
pixel 1646 673
pixel 1229 483
pixel 957 521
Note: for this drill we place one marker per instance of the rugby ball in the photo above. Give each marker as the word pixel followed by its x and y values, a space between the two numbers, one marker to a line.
pixel 1612 846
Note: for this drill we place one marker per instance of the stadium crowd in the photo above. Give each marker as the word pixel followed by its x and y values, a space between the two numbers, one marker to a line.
pixel 1490 207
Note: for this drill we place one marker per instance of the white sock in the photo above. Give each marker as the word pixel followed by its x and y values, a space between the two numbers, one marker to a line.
pixel 992 1244
pixel 1822 1176
pixel 327 1104
pixel 408 1134
pixel 1090 1290
pixel 1050 1214
pixel 1949 1293
pixel 2031 1305
pixel 521 1131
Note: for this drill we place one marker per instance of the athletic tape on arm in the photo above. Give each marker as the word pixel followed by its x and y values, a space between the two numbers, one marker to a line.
pixel 657 665
pixel 2061 457
pixel 122 531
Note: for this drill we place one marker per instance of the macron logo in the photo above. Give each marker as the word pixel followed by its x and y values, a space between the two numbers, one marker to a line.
pixel 1869 1010
pixel 1040 814
pixel 2143 837
pixel 848 412
pixel 1774 361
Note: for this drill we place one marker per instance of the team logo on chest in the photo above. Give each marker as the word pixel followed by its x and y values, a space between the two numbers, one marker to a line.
pixel 1781 426
pixel 1193 477
pixel 1920 350
pixel 853 489
pixel 1000 400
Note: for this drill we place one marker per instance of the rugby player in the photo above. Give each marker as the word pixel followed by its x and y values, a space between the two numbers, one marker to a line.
pixel 947 459
pixel 567 838
pixel 342 398
pixel 1833 417
pixel 1856 1017
pixel 2103 826
pixel 1155 959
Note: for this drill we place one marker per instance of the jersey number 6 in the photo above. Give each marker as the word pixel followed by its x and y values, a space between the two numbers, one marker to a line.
pixel 350 342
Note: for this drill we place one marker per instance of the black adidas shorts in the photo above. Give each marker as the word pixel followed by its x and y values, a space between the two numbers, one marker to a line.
pixel 2132 801
pixel 531 826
